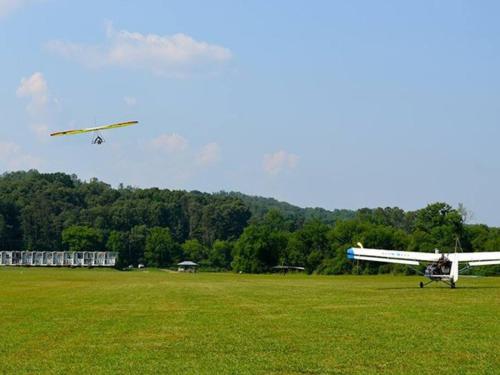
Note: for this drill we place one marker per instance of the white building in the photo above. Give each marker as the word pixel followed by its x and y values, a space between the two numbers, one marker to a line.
pixel 58 258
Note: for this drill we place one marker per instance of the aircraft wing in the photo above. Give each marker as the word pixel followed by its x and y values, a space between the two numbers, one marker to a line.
pixel 392 256
pixel 98 128
pixel 488 258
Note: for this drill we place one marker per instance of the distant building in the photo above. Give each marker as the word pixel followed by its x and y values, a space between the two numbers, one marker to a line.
pixel 286 269
pixel 187 266
pixel 58 258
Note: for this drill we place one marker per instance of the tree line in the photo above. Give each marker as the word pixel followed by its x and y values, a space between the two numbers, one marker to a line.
pixel 222 231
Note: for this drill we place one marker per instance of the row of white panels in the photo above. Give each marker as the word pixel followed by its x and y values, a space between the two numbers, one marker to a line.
pixel 58 258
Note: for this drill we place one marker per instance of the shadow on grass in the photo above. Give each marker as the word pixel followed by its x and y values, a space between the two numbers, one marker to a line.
pixel 439 287
pixel 478 287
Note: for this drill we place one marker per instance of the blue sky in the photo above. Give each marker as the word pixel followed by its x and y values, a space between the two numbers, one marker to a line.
pixel 338 104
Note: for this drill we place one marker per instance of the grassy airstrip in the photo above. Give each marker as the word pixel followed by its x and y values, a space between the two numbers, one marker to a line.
pixel 61 321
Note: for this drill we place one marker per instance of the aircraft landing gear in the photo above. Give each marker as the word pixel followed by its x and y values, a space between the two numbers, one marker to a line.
pixel 422 284
pixel 453 285
pixel 425 284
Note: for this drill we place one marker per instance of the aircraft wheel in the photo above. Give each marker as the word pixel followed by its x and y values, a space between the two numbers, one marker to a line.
pixel 421 284
pixel 453 286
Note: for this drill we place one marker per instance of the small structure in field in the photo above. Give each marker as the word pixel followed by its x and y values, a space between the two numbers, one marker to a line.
pixel 286 269
pixel 187 266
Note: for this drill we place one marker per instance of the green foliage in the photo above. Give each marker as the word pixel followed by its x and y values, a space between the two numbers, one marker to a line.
pixel 440 225
pixel 260 206
pixel 258 249
pixel 220 231
pixel 311 244
pixel 82 238
pixel 194 251
pixel 220 255
pixel 137 243
pixel 161 250
pixel 36 208
pixel 118 242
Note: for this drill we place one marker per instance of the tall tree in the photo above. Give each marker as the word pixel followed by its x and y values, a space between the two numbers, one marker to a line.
pixel 220 255
pixel 161 249
pixel 258 249
pixel 193 250
pixel 137 244
pixel 81 238
pixel 118 242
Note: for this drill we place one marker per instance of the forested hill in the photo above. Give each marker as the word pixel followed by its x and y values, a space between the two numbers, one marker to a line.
pixel 260 206
pixel 223 231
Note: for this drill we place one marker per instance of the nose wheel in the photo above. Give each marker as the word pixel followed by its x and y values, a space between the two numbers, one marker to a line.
pixel 422 285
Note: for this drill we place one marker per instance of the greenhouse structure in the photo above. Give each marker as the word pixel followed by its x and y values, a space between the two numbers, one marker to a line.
pixel 58 258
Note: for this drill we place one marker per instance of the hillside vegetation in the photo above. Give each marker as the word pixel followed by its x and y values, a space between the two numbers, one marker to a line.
pixel 223 231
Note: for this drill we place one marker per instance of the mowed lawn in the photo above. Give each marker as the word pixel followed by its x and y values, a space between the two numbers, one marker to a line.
pixel 63 321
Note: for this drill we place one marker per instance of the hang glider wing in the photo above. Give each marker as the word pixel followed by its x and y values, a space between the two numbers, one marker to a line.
pixel 391 256
pixel 95 129
pixel 479 259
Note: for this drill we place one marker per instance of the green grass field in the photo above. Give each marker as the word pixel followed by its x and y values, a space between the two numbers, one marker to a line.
pixel 61 321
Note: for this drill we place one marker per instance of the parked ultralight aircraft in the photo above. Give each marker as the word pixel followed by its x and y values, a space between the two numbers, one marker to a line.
pixel 441 266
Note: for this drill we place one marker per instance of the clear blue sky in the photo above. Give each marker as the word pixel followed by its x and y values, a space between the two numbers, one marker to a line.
pixel 338 104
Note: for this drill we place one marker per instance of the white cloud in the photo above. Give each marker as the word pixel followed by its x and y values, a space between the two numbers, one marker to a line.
pixel 209 155
pixel 13 157
pixel 171 143
pixel 34 88
pixel 40 105
pixel 170 55
pixel 279 161
pixel 130 101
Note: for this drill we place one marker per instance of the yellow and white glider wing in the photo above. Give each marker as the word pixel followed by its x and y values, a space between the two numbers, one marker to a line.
pixel 95 129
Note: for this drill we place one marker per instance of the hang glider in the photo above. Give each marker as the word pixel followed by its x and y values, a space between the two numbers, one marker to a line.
pixel 98 139
pixel 441 267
